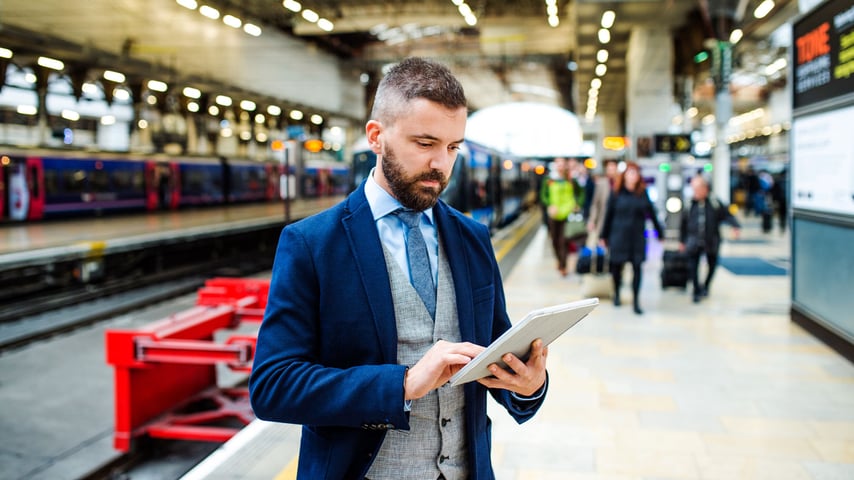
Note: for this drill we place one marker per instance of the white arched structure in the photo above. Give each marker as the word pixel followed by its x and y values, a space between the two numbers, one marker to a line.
pixel 527 129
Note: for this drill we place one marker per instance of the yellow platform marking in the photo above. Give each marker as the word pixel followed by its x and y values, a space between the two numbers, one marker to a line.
pixel 289 472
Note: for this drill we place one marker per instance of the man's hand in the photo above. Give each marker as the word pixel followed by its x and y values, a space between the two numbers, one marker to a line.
pixel 736 232
pixel 437 366
pixel 681 247
pixel 525 378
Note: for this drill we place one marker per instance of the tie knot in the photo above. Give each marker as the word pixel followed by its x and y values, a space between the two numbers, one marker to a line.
pixel 410 217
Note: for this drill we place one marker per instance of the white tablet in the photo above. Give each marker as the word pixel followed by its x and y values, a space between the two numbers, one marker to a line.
pixel 546 323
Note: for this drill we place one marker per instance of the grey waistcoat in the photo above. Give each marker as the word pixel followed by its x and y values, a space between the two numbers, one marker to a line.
pixel 435 443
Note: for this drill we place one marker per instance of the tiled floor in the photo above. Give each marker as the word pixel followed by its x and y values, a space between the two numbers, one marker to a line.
pixel 726 389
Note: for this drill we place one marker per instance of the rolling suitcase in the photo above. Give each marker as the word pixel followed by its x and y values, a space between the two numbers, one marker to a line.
pixel 674 269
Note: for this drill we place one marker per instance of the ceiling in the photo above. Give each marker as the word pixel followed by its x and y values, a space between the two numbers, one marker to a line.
pixel 510 54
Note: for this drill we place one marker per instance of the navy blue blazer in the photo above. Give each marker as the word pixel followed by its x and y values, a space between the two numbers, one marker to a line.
pixel 326 356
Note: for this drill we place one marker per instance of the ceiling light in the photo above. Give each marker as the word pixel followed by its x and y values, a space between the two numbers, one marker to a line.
pixel 157 86
pixel 602 56
pixel 310 15
pixel 763 9
pixel 89 88
pixel 248 105
pixel 608 18
pixel 457 2
pixel 209 12
pixel 108 120
pixel 316 119
pixel 735 36
pixel 296 115
pixel 551 10
pixel 252 29
pixel 232 21
pixel 51 63
pixel 325 25
pixel 775 67
pixel 601 69
pixel 114 76
pixel 604 35
pixel 27 110
pixel 191 4
pixel 5 53
pixel 192 92
pixel 464 9
pixel 692 112
pixel 151 100
pixel 596 83
pixel 259 118
pixel 471 20
pixel 274 110
pixel 554 21
pixel 193 107
pixel 292 5
pixel 70 115
pixel 223 100
pixel 121 94
pixel 213 110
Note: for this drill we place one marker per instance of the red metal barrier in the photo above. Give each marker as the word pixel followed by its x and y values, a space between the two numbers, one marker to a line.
pixel 165 372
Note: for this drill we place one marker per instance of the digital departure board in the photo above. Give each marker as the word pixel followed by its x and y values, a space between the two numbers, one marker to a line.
pixel 823 54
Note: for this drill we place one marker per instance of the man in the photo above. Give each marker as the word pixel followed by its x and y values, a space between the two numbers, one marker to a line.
pixel 699 233
pixel 558 195
pixel 604 184
pixel 354 347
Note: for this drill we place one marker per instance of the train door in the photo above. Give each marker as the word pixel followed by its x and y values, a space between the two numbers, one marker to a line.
pixel 173 184
pixel 152 199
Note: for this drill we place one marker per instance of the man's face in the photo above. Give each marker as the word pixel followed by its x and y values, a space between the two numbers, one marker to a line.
pixel 701 190
pixel 417 153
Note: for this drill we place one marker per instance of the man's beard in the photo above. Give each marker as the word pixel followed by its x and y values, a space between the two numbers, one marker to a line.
pixel 406 189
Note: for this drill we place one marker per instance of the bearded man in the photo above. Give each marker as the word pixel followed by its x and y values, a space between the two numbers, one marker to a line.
pixel 375 303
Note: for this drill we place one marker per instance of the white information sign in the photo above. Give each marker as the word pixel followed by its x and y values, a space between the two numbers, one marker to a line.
pixel 823 162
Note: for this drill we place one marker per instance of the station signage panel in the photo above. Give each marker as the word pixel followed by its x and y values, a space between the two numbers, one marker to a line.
pixel 668 143
pixel 823 53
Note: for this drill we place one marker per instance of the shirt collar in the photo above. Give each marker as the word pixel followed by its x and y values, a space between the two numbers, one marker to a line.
pixel 381 202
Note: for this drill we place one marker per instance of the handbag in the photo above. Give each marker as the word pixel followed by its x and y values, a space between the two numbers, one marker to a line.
pixel 574 226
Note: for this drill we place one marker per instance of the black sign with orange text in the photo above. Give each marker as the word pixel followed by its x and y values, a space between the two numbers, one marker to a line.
pixel 823 56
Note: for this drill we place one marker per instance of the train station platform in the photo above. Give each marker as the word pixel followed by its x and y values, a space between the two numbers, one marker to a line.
pixel 728 388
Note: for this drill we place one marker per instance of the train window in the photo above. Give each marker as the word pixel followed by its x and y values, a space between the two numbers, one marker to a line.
pixel 51 183
pixel 137 180
pixel 74 181
pixel 100 181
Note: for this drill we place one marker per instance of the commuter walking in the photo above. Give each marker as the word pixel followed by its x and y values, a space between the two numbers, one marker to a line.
pixel 699 233
pixel 559 196
pixel 624 229
pixel 604 185
pixel 375 303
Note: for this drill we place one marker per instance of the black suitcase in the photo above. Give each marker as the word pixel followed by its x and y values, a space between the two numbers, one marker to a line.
pixel 674 269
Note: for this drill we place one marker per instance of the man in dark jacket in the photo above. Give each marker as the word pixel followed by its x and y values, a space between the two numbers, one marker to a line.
pixel 699 233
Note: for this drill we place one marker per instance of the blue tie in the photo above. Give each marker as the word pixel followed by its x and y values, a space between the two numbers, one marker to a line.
pixel 419 262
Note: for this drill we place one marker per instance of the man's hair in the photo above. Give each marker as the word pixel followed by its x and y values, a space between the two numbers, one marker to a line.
pixel 415 78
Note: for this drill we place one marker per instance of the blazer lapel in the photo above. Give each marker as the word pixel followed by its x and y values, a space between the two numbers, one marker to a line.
pixel 364 242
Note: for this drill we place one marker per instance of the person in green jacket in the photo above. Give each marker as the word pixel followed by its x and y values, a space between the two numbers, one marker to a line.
pixel 558 195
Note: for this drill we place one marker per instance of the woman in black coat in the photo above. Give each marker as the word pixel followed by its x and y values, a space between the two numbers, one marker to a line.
pixel 624 226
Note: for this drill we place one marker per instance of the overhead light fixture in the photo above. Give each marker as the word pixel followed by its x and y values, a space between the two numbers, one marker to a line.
pixel 112 76
pixel 596 83
pixel 735 36
pixel 213 110
pixel 157 86
pixel 209 12
pixel 193 107
pixel 70 115
pixel 602 56
pixel 108 120
pixel 121 94
pixel 296 115
pixel 27 109
pixel 604 35
pixel 554 21
pixel 5 53
pixel 259 118
pixel 274 110
pixel 191 92
pixel 292 5
pixel 51 63
pixel 316 119
pixel 608 17
pixel 248 105
pixel 764 9
pixel 310 15
pixel 325 25
pixel 232 21
pixel 223 100
pixel 601 69
pixel 191 4
pixel 252 29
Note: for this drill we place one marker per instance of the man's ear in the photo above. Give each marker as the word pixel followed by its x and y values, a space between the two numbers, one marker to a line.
pixel 373 130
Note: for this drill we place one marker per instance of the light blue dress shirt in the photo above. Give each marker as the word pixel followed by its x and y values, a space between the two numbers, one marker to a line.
pixel 392 230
